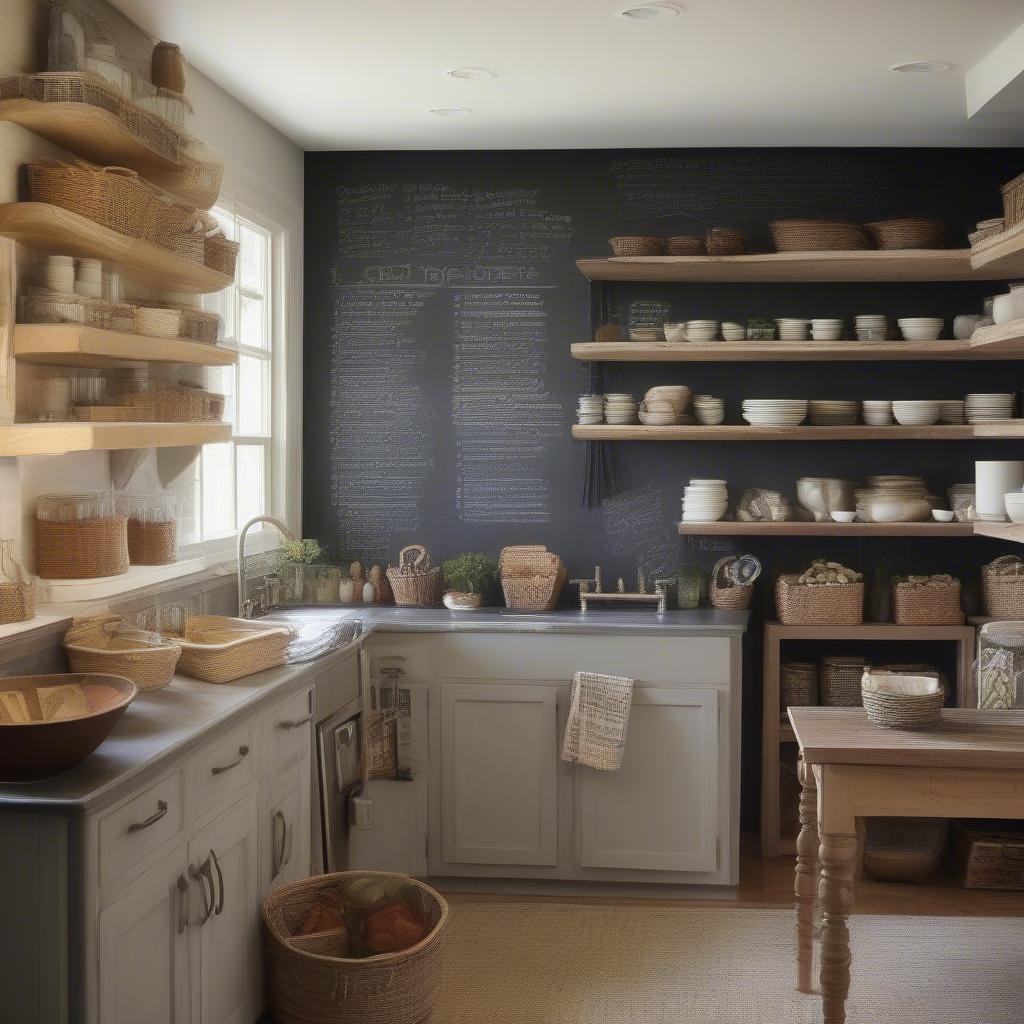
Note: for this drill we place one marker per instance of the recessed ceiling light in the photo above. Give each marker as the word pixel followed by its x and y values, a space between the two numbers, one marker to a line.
pixel 469 74
pixel 451 111
pixel 921 67
pixel 650 12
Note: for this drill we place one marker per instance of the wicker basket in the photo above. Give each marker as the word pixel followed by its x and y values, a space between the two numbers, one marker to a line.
pixel 220 254
pixel 196 324
pixel 932 605
pixel 798 604
pixel 904 849
pixel 986 229
pixel 798 685
pixel 906 233
pixel 725 242
pixel 839 681
pixel 797 235
pixel 537 593
pixel 723 593
pixel 989 854
pixel 1013 201
pixel 152 543
pixel 218 649
pixel 1004 594
pixel 637 245
pixel 312 980
pixel 901 710
pixel 93 645
pixel 83 550
pixel 415 583
pixel 189 245
pixel 42 306
pixel 17 602
pixel 686 245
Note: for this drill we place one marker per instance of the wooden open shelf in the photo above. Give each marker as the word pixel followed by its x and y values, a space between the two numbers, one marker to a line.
pixel 23 439
pixel 51 228
pixel 859 265
pixel 98 135
pixel 76 345
pixel 743 432
pixel 1003 341
pixel 1000 256
pixel 1013 532
pixel 800 529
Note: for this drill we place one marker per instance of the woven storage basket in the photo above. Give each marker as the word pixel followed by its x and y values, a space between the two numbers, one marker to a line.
pixel 189 245
pixel 906 233
pixel 723 593
pixel 989 854
pixel 797 235
pixel 152 543
pixel 538 593
pixel 415 583
pixel 1013 201
pixel 1004 594
pixel 309 978
pixel 168 218
pixel 82 550
pixel 686 245
pixel 902 710
pixel 904 849
pixel 798 685
pixel 798 604
pixel 725 242
pixel 997 226
pixel 196 324
pixel 927 606
pixel 17 602
pixel 92 647
pixel 218 649
pixel 839 681
pixel 637 245
pixel 598 719
pixel 220 254
pixel 42 306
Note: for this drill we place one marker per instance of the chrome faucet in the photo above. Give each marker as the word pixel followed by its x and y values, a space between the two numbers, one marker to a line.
pixel 245 606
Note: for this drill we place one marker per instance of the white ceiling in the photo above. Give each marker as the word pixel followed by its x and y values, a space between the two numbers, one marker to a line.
pixel 337 74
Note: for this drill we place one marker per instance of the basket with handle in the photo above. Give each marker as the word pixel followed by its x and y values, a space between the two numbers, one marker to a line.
pixel 414 581
pixel 219 649
pixel 98 643
pixel 727 588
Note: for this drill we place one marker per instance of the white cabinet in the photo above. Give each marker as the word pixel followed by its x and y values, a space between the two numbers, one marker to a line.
pixel 499 773
pixel 659 812
pixel 143 948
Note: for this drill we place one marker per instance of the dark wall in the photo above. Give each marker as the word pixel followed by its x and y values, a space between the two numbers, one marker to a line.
pixel 441 297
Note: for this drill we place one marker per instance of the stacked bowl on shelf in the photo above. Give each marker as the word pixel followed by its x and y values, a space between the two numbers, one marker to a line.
pixel 774 412
pixel 916 413
pixel 793 329
pixel 921 328
pixel 871 327
pixel 619 409
pixel 705 501
pixel 833 413
pixel 591 409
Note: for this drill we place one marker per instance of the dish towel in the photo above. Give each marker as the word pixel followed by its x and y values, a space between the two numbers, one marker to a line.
pixel 595 731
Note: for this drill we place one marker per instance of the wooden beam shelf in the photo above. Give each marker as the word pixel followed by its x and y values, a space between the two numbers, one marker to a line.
pixel 1013 532
pixel 1000 256
pixel 828 529
pixel 859 265
pixel 24 439
pixel 77 345
pixel 50 228
pixel 743 432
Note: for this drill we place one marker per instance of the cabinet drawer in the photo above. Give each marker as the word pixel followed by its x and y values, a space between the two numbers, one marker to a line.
pixel 137 828
pixel 412 659
pixel 223 769
pixel 289 731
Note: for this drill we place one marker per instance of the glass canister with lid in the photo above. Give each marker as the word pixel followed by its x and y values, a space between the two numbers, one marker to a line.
pixel 1000 667
pixel 152 527
pixel 80 537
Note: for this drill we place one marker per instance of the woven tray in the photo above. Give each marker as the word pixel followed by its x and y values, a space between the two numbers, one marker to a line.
pixel 906 233
pixel 219 649
pixel 801 605
pixel 637 245
pixel 796 235
pixel 927 606
pixel 83 550
pixel 91 647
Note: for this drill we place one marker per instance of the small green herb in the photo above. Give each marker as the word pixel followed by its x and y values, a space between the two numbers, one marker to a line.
pixel 305 551
pixel 760 323
pixel 471 574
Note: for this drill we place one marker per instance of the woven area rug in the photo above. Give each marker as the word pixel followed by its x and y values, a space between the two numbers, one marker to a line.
pixel 558 963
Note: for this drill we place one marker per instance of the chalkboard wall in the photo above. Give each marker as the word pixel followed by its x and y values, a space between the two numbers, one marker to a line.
pixel 441 297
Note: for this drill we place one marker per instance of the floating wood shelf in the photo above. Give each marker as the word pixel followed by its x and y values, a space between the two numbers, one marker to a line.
pixel 829 529
pixel 97 134
pixel 23 439
pixel 1000 256
pixel 740 432
pixel 1001 531
pixel 76 345
pixel 51 228
pixel 859 265
pixel 1003 341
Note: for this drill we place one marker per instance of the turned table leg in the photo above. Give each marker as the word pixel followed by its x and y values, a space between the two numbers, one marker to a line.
pixel 806 884
pixel 838 858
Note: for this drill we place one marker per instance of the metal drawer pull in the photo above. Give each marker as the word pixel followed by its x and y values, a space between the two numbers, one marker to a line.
pixel 161 810
pixel 202 875
pixel 279 855
pixel 220 884
pixel 295 723
pixel 221 768
pixel 182 904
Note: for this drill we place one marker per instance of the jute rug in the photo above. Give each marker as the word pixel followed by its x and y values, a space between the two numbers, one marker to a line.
pixel 558 963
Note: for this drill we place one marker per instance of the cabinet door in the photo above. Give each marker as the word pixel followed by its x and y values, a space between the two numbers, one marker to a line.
pixel 285 830
pixel 499 760
pixel 143 948
pixel 224 938
pixel 659 812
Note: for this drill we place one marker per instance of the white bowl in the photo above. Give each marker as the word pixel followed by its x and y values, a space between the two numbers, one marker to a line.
pixel 843 517
pixel 942 515
pixel 675 332
pixel 916 413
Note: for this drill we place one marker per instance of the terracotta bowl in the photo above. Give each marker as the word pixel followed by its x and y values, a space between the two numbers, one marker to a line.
pixel 39 749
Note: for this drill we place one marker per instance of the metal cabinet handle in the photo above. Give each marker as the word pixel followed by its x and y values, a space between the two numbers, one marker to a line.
pixel 182 904
pixel 278 857
pixel 221 768
pixel 290 834
pixel 202 875
pixel 295 723
pixel 161 810
pixel 220 884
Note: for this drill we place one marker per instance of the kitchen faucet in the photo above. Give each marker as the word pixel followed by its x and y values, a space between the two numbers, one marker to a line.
pixel 246 607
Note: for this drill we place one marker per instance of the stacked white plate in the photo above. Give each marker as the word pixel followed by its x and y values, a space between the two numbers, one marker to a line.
pixel 921 328
pixel 871 326
pixel 981 407
pixel 826 330
pixel 951 411
pixel 877 412
pixel 916 413
pixel 833 413
pixel 775 412
pixel 647 332
pixel 619 409
pixel 793 329
pixel 705 501
pixel 591 409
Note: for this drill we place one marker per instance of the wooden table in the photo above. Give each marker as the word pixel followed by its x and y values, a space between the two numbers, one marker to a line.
pixel 970 766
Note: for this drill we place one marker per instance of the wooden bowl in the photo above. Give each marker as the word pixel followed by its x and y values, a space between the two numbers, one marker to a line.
pixel 39 749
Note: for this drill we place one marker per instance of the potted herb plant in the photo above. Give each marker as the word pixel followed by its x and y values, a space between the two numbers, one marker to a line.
pixel 468 579
pixel 760 328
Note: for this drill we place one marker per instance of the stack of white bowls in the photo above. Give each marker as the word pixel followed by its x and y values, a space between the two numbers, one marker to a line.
pixel 833 413
pixel 775 412
pixel 951 411
pixel 705 501
pixel 619 409
pixel 701 330
pixel 992 482
pixel 591 409
pixel 871 327
pixel 826 330
pixel 921 328
pixel 1015 506
pixel 89 279
pixel 708 410
pixel 981 407
pixel 916 413
pixel 59 274
pixel 733 332
pixel 675 332
pixel 877 412
pixel 793 329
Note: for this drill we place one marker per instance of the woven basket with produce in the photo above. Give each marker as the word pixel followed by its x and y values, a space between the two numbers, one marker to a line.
pixel 826 594
pixel 927 601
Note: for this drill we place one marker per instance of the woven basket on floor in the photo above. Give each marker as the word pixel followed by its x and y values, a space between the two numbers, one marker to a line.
pixel 839 681
pixel 686 245
pixel 82 550
pixel 1004 593
pixel 932 605
pixel 797 604
pixel 906 233
pixel 904 849
pixel 310 979
pixel 218 649
pixel 805 235
pixel 1013 201
pixel 637 245
pixel 902 710
pixel 798 685
pixel 92 645
pixel 725 242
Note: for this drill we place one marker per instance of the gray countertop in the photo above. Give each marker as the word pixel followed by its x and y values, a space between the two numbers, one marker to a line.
pixel 161 725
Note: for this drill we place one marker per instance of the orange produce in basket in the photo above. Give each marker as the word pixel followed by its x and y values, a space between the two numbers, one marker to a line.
pixel 394 927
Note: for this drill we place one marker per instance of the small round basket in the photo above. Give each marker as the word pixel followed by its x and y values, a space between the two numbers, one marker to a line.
pixel 637 245
pixel 907 233
pixel 895 701
pixel 686 245
pixel 725 242
pixel 796 235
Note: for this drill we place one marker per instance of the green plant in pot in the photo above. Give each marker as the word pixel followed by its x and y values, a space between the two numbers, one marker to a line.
pixel 760 328
pixel 468 579
pixel 299 579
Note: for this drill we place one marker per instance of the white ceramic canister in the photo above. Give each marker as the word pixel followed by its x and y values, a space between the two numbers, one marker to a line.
pixel 992 482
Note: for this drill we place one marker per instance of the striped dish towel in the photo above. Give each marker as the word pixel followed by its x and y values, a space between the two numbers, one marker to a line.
pixel 595 732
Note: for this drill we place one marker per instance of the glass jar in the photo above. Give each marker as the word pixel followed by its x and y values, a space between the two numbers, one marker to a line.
pixel 1001 666
pixel 74 508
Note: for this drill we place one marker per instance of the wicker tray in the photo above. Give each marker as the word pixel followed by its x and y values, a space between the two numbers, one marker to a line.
pixel 801 605
pixel 796 235
pixel 93 646
pixel 637 245
pixel 927 606
pixel 219 649
pixel 906 233
pixel 82 550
